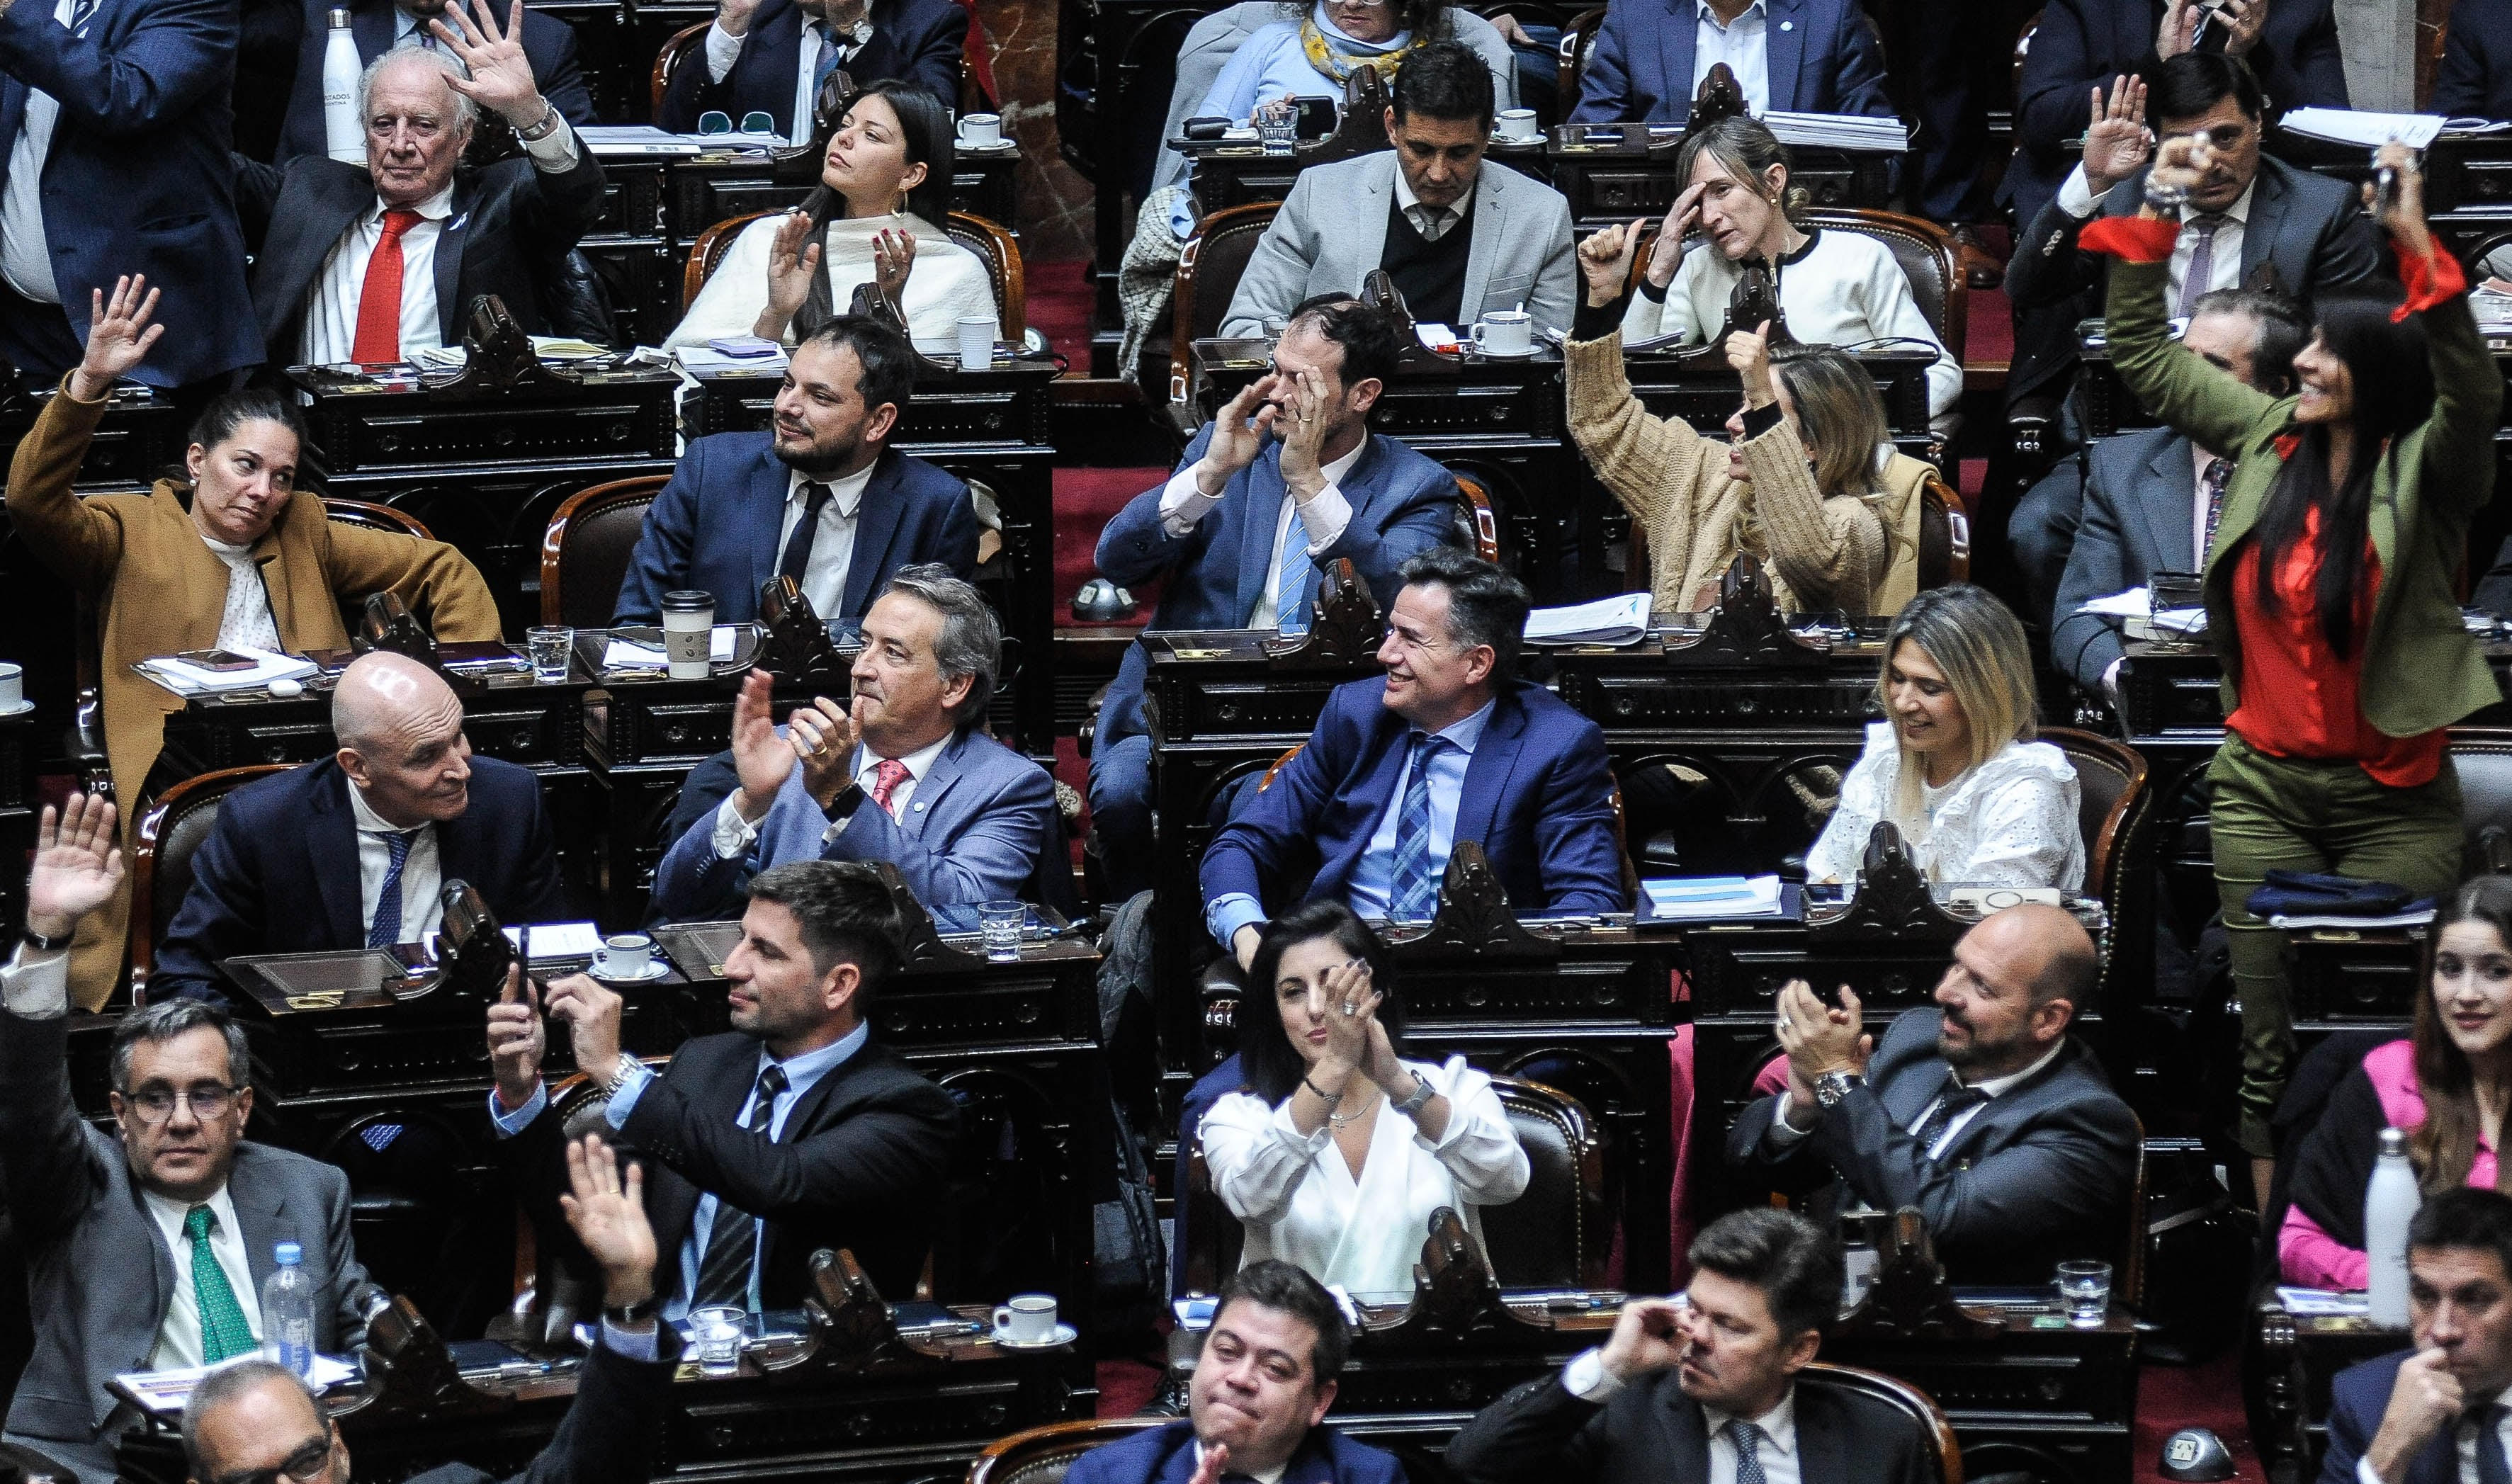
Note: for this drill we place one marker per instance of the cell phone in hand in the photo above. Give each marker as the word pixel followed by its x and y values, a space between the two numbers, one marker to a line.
pixel 222 661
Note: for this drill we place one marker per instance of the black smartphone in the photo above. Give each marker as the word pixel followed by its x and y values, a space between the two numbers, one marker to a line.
pixel 222 661
pixel 1317 118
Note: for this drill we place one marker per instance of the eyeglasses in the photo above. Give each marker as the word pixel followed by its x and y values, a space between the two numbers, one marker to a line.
pixel 209 1102
pixel 305 1463
pixel 717 121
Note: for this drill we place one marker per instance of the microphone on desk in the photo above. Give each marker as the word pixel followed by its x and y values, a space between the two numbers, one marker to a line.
pixel 369 1299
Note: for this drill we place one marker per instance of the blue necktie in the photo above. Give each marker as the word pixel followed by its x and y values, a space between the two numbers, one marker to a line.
pixel 2492 1466
pixel 1295 594
pixel 80 13
pixel 386 930
pixel 1748 1437
pixel 828 63
pixel 1415 890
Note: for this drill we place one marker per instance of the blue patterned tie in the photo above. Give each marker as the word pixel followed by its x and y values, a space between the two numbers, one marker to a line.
pixel 1295 593
pixel 80 13
pixel 828 63
pixel 1415 891
pixel 386 930
pixel 1748 1437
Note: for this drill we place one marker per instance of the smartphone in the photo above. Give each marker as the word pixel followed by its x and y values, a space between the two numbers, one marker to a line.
pixel 223 661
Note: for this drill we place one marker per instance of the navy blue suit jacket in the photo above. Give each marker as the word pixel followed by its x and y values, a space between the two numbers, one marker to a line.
pixel 715 528
pixel 549 45
pixel 1165 1454
pixel 1401 503
pixel 1538 797
pixel 138 180
pixel 1824 57
pixel 2140 496
pixel 279 872
pixel 918 41
pixel 2475 79
pixel 2357 1398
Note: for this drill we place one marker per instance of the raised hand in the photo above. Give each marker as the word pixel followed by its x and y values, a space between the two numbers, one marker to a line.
pixel 1667 253
pixel 1239 432
pixel 1304 439
pixel 2243 21
pixel 893 254
pixel 1818 1039
pixel 2116 139
pixel 2179 29
pixel 824 736
pixel 2403 217
pixel 592 1014
pixel 77 865
pixel 518 1040
pixel 2181 162
pixel 1352 1008
pixel 501 76
pixel 118 336
pixel 1649 1336
pixel 605 1205
pixel 792 260
pixel 762 759
pixel 735 15
pixel 1605 260
pixel 1748 351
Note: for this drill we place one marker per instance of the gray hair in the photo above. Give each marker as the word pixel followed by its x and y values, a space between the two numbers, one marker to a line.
pixel 224 1385
pixel 973 636
pixel 465 111
pixel 164 1021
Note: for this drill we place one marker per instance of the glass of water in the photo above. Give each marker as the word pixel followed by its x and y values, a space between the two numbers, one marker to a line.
pixel 1002 922
pixel 717 1332
pixel 550 649
pixel 1277 126
pixel 2086 1289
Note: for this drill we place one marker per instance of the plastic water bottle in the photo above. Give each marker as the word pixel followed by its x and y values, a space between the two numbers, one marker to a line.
pixel 2390 1203
pixel 344 133
pixel 287 1313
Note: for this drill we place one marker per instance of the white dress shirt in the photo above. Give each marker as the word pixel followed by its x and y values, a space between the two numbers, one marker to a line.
pixel 2224 265
pixel 1743 45
pixel 179 1338
pixel 833 548
pixel 1587 1379
pixel 1183 507
pixel 26 251
pixel 2463 1435
pixel 723 49
pixel 420 872
pixel 246 622
pixel 1782 1135
pixel 734 834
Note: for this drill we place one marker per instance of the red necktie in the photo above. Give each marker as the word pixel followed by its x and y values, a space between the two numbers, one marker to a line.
pixel 885 780
pixel 379 339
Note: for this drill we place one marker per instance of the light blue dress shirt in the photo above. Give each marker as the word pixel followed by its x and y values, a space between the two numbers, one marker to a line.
pixel 1272 63
pixel 1373 878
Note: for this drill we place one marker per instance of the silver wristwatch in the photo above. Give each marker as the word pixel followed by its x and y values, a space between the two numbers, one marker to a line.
pixel 1423 1093
pixel 1833 1086
pixel 619 1071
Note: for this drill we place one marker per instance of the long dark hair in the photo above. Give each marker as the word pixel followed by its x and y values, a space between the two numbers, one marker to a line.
pixel 2445 1144
pixel 2394 393
pixel 925 128
pixel 1269 1066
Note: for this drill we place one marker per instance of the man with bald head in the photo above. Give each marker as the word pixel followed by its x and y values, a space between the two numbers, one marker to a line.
pixel 351 851
pixel 376 262
pixel 1984 1113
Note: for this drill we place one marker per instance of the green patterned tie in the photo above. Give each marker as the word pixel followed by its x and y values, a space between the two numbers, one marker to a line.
pixel 223 1332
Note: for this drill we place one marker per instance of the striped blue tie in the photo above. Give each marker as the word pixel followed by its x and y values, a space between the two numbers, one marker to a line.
pixel 1415 891
pixel 1295 593
pixel 386 930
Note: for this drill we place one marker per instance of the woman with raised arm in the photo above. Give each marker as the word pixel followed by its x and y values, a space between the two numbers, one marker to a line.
pixel 2330 590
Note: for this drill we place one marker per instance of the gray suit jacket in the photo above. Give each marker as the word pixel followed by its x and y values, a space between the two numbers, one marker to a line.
pixel 2040 1174
pixel 98 1277
pixel 1333 230
pixel 2141 490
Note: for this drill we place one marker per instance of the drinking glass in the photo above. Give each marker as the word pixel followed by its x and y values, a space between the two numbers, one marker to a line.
pixel 550 649
pixel 1002 922
pixel 717 1332
pixel 2086 1289
pixel 1277 126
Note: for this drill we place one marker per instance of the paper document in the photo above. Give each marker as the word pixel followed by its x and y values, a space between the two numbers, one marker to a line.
pixel 2136 603
pixel 627 654
pixel 183 677
pixel 706 361
pixel 1621 620
pixel 163 1393
pixel 2321 1301
pixel 553 941
pixel 1705 898
pixel 1840 130
pixel 2181 621
pixel 626 141
pixel 2350 125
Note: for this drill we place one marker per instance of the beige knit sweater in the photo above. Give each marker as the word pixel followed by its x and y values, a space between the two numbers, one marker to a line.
pixel 1819 553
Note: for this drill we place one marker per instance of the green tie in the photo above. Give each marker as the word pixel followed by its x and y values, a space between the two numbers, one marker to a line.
pixel 223 1332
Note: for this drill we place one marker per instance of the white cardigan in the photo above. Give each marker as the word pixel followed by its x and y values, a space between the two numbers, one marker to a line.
pixel 1840 289
pixel 2009 822
pixel 1296 1195
pixel 948 281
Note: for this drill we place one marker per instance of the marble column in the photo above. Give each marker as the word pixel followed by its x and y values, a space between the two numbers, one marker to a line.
pixel 2379 38
pixel 1055 202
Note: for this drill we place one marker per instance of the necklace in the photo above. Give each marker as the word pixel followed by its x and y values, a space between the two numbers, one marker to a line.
pixel 1347 1120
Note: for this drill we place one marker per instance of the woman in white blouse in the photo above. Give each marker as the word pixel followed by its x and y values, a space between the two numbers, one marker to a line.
pixel 1836 287
pixel 1955 766
pixel 1336 1151
pixel 885 188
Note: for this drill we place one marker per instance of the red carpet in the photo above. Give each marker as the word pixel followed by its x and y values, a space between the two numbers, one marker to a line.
pixel 1060 304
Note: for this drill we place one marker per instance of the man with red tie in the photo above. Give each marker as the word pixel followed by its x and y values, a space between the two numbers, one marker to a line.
pixel 375 263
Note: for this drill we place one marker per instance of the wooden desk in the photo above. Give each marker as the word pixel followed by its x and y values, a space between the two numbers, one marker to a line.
pixel 1705 397
pixel 139 435
pixel 1239 172
pixel 2299 1355
pixel 20 812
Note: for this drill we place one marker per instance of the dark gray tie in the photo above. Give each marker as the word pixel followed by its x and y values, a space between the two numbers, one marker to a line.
pixel 2492 1467
pixel 1956 1099
pixel 732 1242
pixel 2202 258
pixel 798 546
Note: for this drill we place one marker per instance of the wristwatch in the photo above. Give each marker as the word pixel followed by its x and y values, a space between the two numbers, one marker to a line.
pixel 1420 1098
pixel 844 803
pixel 43 945
pixel 619 1071
pixel 534 132
pixel 1833 1086
pixel 635 1315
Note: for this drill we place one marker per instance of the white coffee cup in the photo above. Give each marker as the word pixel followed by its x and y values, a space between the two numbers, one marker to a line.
pixel 1504 332
pixel 1518 124
pixel 624 955
pixel 688 633
pixel 976 341
pixel 982 131
pixel 1028 1319
pixel 12 685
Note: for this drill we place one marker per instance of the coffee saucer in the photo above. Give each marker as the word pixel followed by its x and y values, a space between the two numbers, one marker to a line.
pixel 655 968
pixel 997 147
pixel 18 710
pixel 1065 1334
pixel 1498 355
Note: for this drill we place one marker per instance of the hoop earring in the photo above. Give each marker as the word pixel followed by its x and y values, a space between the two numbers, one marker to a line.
pixel 900 209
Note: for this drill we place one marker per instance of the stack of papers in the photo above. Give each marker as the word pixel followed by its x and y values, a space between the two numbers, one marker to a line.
pixel 645 141
pixel 2306 922
pixel 707 361
pixel 1843 131
pixel 1711 898
pixel 2321 1301
pixel 628 654
pixel 184 678
pixel 164 1392
pixel 2180 621
pixel 1623 620
pixel 2348 126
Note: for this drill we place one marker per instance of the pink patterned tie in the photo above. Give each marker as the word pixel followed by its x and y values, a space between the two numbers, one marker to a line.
pixel 885 780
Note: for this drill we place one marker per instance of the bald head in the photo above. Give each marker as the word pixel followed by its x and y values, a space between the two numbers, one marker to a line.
pixel 2017 981
pixel 249 1417
pixel 2051 946
pixel 400 728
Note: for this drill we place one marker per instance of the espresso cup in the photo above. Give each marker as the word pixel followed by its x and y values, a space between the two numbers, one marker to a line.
pixel 982 131
pixel 1504 332
pixel 12 685
pixel 624 955
pixel 1028 1319
pixel 1517 124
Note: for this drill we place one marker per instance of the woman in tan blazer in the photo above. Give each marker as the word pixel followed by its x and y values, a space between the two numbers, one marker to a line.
pixel 224 558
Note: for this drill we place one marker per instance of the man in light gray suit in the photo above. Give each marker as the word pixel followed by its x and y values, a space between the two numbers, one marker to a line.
pixel 1461 236
pixel 145 1250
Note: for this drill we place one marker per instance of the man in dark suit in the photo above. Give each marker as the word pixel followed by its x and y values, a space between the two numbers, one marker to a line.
pixel 789 1133
pixel 752 60
pixel 2434 1414
pixel 1706 1391
pixel 375 263
pixel 1795 55
pixel 2145 502
pixel 2475 78
pixel 1984 1113
pixel 2291 46
pixel 1448 745
pixel 256 1419
pixel 114 123
pixel 1233 552
pixel 1256 1408
pixel 352 852
pixel 147 1248
pixel 2253 216
pixel 821 497
pixel 379 25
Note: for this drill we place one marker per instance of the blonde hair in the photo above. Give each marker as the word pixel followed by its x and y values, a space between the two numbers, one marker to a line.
pixel 1840 419
pixel 1979 645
